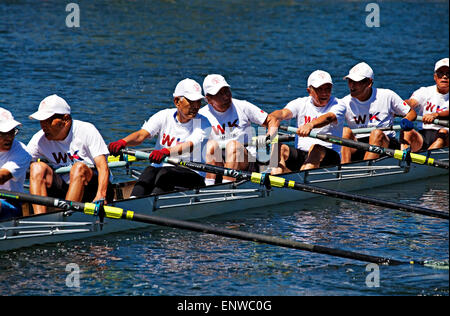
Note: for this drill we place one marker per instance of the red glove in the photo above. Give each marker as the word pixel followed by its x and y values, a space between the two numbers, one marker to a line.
pixel 115 147
pixel 157 156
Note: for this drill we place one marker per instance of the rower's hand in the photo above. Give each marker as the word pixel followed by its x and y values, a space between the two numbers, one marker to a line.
pixel 157 156
pixel 115 147
pixel 99 203
pixel 304 130
pixel 429 118
pixel 406 124
pixel 99 199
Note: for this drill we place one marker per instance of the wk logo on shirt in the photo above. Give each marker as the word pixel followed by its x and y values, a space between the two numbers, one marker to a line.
pixel 430 107
pixel 60 157
pixel 308 119
pixel 362 120
pixel 166 139
pixel 220 129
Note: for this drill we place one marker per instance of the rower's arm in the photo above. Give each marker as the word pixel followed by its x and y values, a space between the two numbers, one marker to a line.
pixel 321 121
pixel 413 103
pixel 137 138
pixel 430 117
pixel 441 114
pixel 274 119
pixel 412 115
pixel 101 165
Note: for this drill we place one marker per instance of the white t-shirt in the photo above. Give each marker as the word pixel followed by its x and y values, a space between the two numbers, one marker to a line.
pixel 16 161
pixel 305 111
pixel 378 111
pixel 430 101
pixel 235 123
pixel 171 132
pixel 83 143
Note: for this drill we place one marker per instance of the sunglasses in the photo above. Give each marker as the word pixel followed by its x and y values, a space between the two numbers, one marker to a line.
pixel 12 132
pixel 441 74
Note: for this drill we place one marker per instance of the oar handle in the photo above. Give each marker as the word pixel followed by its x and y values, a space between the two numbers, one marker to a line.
pixel 113 164
pixel 366 130
pixel 444 123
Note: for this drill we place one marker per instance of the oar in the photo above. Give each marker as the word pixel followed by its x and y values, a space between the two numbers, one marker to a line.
pixel 263 141
pixel 280 182
pixel 112 164
pixel 119 213
pixel 365 130
pixel 435 121
pixel 395 153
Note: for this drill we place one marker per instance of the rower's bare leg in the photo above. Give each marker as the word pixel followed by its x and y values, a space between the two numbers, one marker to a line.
pixel 315 156
pixel 376 138
pixel 347 152
pixel 213 157
pixel 80 175
pixel 236 157
pixel 41 178
pixel 441 140
pixel 284 155
pixel 411 139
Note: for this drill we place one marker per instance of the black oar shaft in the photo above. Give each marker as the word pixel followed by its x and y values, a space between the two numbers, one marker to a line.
pixel 281 182
pixel 372 201
pixel 118 213
pixel 397 154
pixel 271 240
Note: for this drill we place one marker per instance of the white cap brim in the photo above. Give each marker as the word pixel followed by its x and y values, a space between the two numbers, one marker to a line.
pixel 320 83
pixel 5 127
pixel 194 96
pixel 191 96
pixel 214 90
pixel 41 116
pixel 355 77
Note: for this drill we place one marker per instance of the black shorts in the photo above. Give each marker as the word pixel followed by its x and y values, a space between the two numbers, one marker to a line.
pixel 428 136
pixel 298 157
pixel 59 189
pixel 155 180
pixel 359 153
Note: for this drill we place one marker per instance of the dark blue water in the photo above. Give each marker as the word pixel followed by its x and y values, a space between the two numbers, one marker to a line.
pixel 122 64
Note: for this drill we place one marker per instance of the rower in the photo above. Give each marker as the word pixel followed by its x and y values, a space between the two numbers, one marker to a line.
pixel 372 107
pixel 14 162
pixel 63 141
pixel 432 103
pixel 320 111
pixel 181 132
pixel 231 121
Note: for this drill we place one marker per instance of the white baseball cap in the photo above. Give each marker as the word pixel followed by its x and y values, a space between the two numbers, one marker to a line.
pixel 359 72
pixel 213 83
pixel 189 89
pixel 7 122
pixel 441 63
pixel 318 78
pixel 51 105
